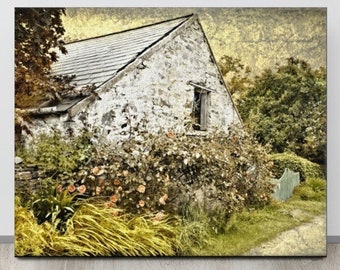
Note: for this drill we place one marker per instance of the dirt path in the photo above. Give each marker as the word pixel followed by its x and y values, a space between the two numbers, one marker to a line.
pixel 306 240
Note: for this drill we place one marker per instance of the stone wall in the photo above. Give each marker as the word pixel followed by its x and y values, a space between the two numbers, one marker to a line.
pixel 156 94
pixel 27 178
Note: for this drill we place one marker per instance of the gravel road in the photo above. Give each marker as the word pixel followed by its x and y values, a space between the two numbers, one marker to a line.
pixel 305 240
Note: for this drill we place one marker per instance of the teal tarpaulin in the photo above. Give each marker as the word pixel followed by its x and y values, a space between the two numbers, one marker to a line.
pixel 286 184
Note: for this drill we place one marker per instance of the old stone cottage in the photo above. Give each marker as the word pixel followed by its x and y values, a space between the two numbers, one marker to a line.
pixel 158 77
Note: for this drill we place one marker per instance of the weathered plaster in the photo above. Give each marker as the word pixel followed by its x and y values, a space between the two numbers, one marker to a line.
pixel 155 95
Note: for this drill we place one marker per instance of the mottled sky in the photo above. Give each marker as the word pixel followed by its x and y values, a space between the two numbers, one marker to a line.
pixel 260 37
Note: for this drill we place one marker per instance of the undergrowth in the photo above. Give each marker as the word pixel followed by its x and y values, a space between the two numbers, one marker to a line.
pixel 148 198
pixel 98 230
pixel 155 172
pixel 95 230
pixel 250 228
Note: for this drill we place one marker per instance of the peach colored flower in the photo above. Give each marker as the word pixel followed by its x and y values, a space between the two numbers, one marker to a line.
pixel 109 204
pixel 81 189
pixel 95 170
pixel 141 203
pixel 60 188
pixel 141 189
pixel 98 190
pixel 115 213
pixel 125 173
pixel 170 134
pixel 114 198
pixel 119 188
pixel 162 200
pixel 159 216
pixel 116 182
pixel 71 188
pixel 101 182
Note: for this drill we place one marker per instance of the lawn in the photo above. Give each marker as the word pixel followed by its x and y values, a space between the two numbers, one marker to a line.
pixel 249 229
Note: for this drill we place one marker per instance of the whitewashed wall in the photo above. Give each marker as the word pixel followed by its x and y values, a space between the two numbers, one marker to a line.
pixel 156 94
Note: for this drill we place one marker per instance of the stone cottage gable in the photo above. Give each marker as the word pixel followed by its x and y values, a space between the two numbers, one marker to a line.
pixel 97 60
pixel 155 78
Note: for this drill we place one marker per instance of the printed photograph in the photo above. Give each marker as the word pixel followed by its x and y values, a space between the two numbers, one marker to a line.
pixel 170 132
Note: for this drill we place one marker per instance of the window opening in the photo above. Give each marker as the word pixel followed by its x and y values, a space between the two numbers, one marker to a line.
pixel 200 110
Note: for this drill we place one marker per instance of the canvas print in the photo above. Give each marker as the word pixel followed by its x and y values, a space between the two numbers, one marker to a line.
pixel 170 132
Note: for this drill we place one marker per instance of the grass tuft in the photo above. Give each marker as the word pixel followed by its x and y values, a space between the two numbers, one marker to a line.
pixel 97 231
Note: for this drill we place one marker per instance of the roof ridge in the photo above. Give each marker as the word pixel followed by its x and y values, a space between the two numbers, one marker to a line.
pixel 103 72
pixel 135 28
pixel 153 43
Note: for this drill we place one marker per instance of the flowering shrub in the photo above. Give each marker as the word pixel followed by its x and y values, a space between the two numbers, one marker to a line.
pixel 166 172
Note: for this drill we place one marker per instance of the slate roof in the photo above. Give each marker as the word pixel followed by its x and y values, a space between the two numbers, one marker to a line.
pixel 97 60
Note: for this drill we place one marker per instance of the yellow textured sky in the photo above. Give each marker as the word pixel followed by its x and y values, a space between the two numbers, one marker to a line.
pixel 260 37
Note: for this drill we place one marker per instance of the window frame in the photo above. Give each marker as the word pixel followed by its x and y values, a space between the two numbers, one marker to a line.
pixel 201 122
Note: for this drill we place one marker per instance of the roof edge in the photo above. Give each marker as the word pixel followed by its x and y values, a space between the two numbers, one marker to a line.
pixel 87 100
pixel 132 29
pixel 221 76
pixel 131 65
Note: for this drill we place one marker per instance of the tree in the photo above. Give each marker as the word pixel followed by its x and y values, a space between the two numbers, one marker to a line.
pixel 38 34
pixel 237 76
pixel 286 108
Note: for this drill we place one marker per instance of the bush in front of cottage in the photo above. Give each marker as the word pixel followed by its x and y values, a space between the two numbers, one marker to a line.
pixel 166 172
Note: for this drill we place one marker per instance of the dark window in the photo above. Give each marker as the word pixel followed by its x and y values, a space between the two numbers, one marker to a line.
pixel 200 110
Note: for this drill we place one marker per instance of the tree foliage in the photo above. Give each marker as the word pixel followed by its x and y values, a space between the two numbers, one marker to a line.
pixel 237 75
pixel 38 37
pixel 286 108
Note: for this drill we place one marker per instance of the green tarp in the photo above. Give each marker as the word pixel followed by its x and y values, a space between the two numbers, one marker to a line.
pixel 286 184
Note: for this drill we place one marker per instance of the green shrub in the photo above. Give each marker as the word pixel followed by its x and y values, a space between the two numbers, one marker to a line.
pixel 313 189
pixel 306 168
pixel 165 171
pixel 197 228
pixel 57 159
pixel 56 207
pixel 55 154
pixel 317 184
pixel 169 171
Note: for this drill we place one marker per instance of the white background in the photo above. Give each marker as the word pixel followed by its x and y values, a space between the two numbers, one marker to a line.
pixel 7 90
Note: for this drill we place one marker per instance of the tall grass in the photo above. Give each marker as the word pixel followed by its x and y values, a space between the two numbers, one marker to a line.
pixel 314 189
pixel 97 231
